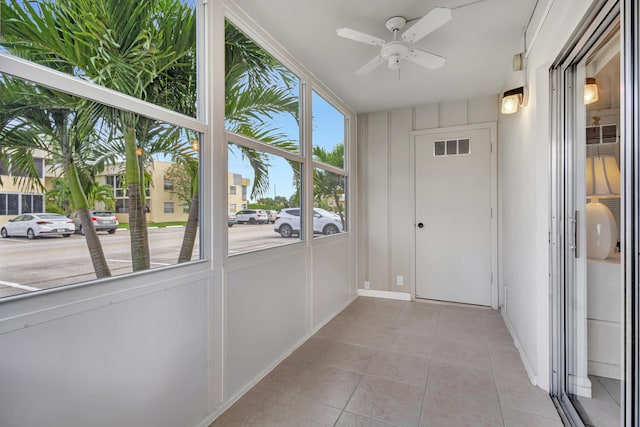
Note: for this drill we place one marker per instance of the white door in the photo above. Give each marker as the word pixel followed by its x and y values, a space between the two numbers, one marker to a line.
pixel 453 180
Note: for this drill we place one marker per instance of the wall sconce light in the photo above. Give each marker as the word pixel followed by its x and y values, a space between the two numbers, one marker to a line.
pixel 590 91
pixel 512 99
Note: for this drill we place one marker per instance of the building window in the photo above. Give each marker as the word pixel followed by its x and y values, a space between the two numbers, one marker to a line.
pixel 17 204
pixel 185 209
pixel 168 184
pixel 232 190
pixel 121 206
pixel 232 208
pixel 168 207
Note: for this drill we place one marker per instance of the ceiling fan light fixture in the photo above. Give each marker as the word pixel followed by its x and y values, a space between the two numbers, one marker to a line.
pixel 394 62
pixel 512 99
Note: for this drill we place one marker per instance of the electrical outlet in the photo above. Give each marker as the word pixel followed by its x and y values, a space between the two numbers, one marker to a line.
pixel 367 285
pixel 400 280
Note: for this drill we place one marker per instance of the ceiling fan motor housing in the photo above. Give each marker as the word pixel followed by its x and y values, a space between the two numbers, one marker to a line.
pixel 396 23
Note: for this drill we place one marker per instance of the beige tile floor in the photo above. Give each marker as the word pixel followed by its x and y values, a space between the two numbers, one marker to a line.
pixel 384 363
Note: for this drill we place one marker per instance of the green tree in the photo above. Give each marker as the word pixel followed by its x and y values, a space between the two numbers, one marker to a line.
pixel 60 195
pixel 181 182
pixel 258 90
pixel 144 49
pixel 327 184
pixel 54 123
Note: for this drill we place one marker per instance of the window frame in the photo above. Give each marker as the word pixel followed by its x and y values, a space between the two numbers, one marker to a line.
pixel 20 68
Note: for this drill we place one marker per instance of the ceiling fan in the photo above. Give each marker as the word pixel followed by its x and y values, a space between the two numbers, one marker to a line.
pixel 396 50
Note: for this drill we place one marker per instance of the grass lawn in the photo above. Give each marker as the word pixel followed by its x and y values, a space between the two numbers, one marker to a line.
pixel 125 225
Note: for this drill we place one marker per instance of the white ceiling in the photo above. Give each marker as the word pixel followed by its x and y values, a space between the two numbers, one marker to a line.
pixel 479 43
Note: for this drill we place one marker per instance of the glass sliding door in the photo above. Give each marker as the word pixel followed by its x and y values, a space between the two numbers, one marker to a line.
pixel 589 315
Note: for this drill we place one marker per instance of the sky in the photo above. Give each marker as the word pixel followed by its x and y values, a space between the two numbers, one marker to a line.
pixel 328 131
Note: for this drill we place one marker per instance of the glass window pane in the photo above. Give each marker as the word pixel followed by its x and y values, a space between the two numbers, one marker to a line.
pixel 156 57
pixel 37 204
pixel 26 203
pixel 463 146
pixel 262 95
pixel 122 141
pixel 452 147
pixel 330 202
pixel 328 132
pixel 3 204
pixel 272 186
pixel 13 204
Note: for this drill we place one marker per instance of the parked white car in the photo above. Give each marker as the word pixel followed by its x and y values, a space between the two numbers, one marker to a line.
pixel 252 216
pixel 37 225
pixel 324 222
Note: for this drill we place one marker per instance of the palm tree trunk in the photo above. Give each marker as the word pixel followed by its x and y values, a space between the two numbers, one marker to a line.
pixel 98 259
pixel 190 230
pixel 140 257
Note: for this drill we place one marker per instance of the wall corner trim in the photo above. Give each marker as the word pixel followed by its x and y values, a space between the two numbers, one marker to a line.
pixel 384 294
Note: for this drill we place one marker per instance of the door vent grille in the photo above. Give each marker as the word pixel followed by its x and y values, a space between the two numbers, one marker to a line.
pixel 452 147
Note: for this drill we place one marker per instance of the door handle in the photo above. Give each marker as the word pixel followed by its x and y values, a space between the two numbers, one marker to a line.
pixel 420 225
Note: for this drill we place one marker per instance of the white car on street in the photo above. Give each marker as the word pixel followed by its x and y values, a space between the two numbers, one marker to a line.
pixel 34 225
pixel 324 222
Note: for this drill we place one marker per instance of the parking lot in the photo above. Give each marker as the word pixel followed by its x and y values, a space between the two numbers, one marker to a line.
pixel 31 265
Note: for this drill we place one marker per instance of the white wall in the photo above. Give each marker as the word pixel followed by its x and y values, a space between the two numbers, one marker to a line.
pixel 384 159
pixel 524 171
pixel 111 354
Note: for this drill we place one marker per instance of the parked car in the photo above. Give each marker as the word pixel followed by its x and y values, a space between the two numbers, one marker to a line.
pixel 324 222
pixel 102 221
pixel 252 216
pixel 231 219
pixel 272 216
pixel 37 225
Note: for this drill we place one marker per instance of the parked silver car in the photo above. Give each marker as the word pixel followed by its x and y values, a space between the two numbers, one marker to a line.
pixel 37 225
pixel 324 222
pixel 102 221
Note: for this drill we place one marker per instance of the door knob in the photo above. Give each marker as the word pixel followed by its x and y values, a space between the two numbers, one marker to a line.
pixel 420 225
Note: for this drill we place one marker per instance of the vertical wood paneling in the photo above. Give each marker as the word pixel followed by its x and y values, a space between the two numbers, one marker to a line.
pixel 400 216
pixel 378 200
pixel 385 153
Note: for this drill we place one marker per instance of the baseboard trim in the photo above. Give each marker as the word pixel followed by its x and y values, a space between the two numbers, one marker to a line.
pixel 402 296
pixel 523 356
pixel 210 418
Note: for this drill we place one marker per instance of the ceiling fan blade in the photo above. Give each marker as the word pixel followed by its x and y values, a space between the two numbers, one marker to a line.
pixel 425 59
pixel 371 65
pixel 436 18
pixel 348 33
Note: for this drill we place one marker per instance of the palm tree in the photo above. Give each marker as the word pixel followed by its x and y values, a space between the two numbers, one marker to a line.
pixel 147 50
pixel 54 123
pixel 328 184
pixel 258 89
pixel 143 49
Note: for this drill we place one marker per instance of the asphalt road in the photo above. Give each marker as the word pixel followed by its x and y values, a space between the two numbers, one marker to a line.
pixel 30 265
